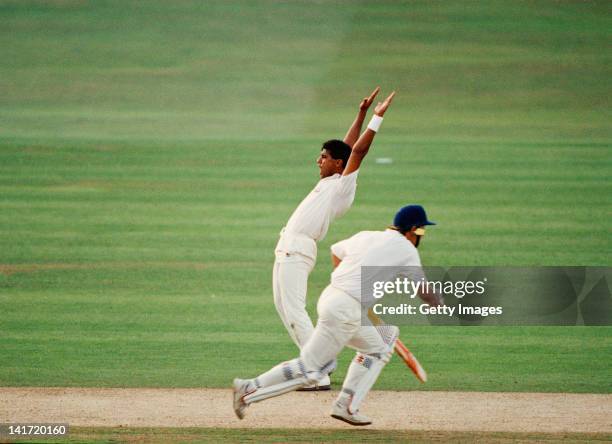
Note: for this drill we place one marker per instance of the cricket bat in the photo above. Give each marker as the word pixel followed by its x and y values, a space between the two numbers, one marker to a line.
pixel 410 360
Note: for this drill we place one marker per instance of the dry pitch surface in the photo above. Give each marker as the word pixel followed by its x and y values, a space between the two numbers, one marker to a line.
pixel 436 411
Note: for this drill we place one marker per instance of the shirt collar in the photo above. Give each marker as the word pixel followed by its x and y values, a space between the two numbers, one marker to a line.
pixel 333 176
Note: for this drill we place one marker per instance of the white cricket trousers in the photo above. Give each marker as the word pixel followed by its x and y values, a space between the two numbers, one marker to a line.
pixel 289 285
pixel 339 325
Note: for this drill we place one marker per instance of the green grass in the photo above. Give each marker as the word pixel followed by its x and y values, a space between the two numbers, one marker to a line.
pixel 189 435
pixel 151 152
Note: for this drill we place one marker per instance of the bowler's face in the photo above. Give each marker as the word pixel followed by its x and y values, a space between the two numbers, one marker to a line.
pixel 328 166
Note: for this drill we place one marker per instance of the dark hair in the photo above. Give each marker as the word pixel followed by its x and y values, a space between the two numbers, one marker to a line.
pixel 338 150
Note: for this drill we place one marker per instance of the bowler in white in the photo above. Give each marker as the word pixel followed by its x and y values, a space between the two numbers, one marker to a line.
pixel 296 251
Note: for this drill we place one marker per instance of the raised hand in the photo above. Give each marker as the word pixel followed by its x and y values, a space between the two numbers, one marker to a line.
pixel 381 108
pixel 367 101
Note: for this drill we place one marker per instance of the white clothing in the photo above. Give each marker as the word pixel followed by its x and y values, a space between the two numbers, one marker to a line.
pixel 296 251
pixel 330 198
pixel 289 279
pixel 295 244
pixel 387 248
pixel 339 325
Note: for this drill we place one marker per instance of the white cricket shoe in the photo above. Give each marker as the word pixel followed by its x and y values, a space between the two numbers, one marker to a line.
pixel 341 412
pixel 240 391
pixel 323 385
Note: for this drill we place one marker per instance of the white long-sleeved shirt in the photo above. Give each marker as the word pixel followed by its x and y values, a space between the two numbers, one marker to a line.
pixel 330 198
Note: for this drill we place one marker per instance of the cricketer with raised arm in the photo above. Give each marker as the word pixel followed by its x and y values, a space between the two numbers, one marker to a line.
pixel 296 251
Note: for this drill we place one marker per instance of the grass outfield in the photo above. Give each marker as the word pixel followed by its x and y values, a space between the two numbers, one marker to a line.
pixel 151 152
pixel 151 435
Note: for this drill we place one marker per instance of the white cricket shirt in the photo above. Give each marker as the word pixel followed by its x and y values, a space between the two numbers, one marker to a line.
pixel 373 248
pixel 330 198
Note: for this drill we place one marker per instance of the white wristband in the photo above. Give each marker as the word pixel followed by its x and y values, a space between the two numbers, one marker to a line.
pixel 375 123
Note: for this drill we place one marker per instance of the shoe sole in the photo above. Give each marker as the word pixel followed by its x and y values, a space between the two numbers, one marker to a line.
pixel 238 407
pixel 238 410
pixel 348 421
pixel 318 388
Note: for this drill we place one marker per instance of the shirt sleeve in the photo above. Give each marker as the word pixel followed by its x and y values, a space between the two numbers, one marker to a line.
pixel 340 249
pixel 345 193
pixel 347 184
pixel 348 246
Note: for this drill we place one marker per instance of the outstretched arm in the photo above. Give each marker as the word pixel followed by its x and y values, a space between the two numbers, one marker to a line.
pixel 355 129
pixel 362 145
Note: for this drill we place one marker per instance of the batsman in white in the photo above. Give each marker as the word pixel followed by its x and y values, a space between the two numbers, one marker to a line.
pixel 296 251
pixel 341 323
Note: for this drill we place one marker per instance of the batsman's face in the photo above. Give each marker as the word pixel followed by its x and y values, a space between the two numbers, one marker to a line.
pixel 415 235
pixel 419 232
pixel 328 166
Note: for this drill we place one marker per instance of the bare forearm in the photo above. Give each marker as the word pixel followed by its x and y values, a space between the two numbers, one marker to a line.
pixel 360 150
pixel 353 132
pixel 362 145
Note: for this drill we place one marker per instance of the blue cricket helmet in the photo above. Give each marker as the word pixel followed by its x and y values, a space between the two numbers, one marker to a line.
pixel 411 216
